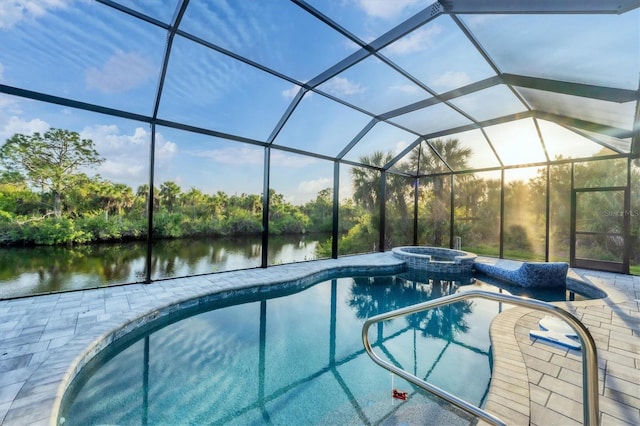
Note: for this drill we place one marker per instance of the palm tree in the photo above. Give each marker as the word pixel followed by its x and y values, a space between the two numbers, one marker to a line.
pixel 193 198
pixel 169 192
pixel 219 204
pixel 253 203
pixel 425 162
pixel 142 193
pixel 366 182
pixel 124 198
pixel 107 194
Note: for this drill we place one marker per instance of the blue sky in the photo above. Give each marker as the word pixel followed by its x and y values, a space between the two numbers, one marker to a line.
pixel 88 52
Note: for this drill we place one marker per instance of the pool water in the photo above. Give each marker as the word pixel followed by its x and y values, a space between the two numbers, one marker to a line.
pixel 297 359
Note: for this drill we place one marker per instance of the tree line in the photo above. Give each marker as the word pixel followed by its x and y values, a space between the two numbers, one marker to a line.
pixel 46 199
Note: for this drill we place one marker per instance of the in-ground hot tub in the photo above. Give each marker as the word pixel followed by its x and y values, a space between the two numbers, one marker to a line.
pixel 436 259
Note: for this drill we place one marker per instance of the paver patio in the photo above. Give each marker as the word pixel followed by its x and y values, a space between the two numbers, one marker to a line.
pixel 45 339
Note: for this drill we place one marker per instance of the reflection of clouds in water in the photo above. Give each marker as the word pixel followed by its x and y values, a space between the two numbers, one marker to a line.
pixel 195 357
pixel 206 368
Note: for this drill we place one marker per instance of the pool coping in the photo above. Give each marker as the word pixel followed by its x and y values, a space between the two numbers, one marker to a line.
pixel 57 334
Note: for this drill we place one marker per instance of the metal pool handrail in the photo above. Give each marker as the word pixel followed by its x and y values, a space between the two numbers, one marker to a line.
pixel 589 354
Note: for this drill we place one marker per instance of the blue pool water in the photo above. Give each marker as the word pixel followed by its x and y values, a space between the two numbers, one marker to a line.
pixel 296 359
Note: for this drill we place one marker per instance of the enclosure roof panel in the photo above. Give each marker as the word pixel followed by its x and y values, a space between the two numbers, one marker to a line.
pixel 440 56
pixel 517 142
pixel 585 48
pixel 162 10
pixel 562 142
pixel 339 79
pixel 320 125
pixel 503 102
pixel 210 90
pixel 382 137
pixel 374 86
pixel 612 114
pixel 368 20
pixel 276 34
pixel 86 52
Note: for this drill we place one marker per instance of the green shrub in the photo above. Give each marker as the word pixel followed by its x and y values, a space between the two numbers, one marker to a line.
pixel 49 231
pixel 168 225
pixel 516 238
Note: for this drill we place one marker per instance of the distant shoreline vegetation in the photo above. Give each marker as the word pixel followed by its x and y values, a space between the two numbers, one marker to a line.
pixel 97 228
pixel 97 210
pixel 46 199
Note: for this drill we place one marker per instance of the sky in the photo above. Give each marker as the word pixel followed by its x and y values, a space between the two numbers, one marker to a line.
pixel 85 51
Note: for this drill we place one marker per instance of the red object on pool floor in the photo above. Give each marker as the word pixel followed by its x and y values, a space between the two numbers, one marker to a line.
pixel 399 395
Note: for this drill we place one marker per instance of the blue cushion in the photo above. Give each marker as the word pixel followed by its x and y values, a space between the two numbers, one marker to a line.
pixel 530 274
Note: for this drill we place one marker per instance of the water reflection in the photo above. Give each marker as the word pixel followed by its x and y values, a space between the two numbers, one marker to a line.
pixel 37 270
pixel 372 296
pixel 291 360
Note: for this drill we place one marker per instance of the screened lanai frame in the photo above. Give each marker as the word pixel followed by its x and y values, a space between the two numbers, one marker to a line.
pixel 438 112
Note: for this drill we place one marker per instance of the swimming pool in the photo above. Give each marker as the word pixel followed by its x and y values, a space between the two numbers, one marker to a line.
pixel 294 358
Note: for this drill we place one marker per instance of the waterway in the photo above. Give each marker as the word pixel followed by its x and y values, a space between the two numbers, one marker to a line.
pixel 46 269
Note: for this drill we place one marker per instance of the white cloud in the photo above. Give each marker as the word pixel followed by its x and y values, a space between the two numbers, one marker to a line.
pixel 121 72
pixel 416 41
pixel 400 145
pixel 406 88
pixel 351 46
pixel 451 80
pixel 165 150
pixel 314 186
pixel 476 21
pixel 127 155
pixel 9 105
pixel 10 108
pixel 341 86
pixel 281 159
pixel 385 8
pixel 240 155
pixel 17 125
pixel 291 92
pixel 118 169
pixel 244 155
pixel 14 11
pixel 108 139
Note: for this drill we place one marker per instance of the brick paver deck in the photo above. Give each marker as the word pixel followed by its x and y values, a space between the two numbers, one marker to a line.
pixel 45 340
pixel 553 374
